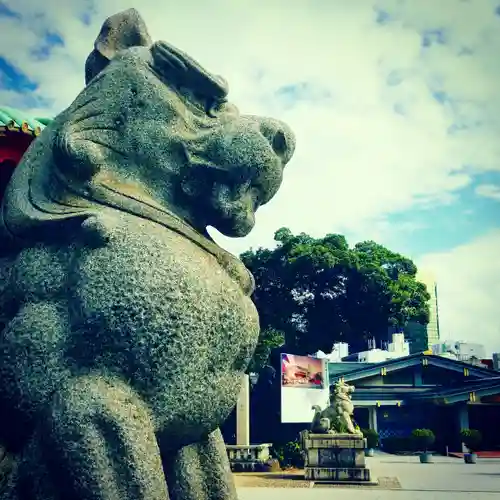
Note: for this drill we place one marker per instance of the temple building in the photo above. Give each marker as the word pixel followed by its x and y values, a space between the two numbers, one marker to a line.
pixel 17 132
pixel 424 391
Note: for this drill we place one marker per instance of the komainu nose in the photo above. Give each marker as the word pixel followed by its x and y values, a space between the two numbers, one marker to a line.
pixel 280 136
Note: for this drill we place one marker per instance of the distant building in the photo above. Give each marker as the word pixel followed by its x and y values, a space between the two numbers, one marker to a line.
pixel 433 335
pixel 461 351
pixel 398 348
pixel 423 337
pixel 339 350
pixel 417 336
pixel 496 361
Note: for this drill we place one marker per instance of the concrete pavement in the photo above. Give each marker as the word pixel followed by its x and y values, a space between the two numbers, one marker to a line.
pixel 355 494
pixel 445 474
pixel 446 479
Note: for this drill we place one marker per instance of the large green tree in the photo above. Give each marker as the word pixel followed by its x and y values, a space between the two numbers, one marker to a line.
pixel 312 292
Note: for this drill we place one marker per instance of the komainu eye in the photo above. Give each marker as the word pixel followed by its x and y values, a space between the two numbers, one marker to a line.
pixel 215 106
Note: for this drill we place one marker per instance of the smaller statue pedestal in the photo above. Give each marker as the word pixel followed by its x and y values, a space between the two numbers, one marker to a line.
pixel 338 458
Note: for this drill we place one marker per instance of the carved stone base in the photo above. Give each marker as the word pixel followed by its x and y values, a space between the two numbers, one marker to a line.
pixel 335 457
pixel 349 474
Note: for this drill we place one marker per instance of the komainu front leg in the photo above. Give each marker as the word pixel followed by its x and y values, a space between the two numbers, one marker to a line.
pixel 201 471
pixel 97 442
pixel 350 426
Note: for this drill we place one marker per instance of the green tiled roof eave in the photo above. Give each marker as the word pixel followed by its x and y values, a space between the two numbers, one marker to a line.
pixel 13 117
pixel 44 121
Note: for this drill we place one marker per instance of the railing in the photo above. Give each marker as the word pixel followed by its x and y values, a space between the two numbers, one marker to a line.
pixel 247 457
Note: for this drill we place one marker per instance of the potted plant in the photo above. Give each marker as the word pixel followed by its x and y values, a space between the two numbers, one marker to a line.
pixel 423 439
pixel 472 439
pixel 372 441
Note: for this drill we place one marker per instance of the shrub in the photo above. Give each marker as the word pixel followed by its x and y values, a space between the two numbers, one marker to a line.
pixel 372 438
pixel 290 454
pixel 471 438
pixel 423 439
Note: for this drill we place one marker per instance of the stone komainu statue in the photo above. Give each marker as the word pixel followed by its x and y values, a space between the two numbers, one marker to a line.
pixel 126 328
pixel 336 417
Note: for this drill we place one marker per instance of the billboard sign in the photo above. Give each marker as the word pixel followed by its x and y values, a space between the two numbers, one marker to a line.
pixel 304 384
pixel 305 372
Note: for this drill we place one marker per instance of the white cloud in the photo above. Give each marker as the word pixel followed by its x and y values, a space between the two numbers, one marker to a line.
pixel 358 158
pixel 468 280
pixel 488 191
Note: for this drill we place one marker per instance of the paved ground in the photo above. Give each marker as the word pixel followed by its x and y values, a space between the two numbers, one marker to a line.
pixel 345 494
pixel 445 479
pixel 445 474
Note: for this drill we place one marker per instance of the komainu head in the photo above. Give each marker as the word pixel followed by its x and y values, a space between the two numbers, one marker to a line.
pixel 342 391
pixel 153 126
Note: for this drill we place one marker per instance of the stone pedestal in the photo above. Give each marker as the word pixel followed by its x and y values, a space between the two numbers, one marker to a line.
pixel 335 458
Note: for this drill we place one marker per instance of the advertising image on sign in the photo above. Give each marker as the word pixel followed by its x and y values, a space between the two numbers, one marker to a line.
pixel 305 372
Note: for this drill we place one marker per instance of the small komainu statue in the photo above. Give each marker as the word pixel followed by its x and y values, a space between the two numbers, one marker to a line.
pixel 124 329
pixel 336 417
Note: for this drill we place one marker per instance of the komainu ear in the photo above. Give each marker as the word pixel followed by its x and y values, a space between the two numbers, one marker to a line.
pixel 177 67
pixel 122 31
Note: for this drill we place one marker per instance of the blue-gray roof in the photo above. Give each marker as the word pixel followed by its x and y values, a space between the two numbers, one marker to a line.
pixel 364 370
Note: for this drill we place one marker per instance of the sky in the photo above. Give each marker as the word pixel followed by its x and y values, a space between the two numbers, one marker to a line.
pixel 395 105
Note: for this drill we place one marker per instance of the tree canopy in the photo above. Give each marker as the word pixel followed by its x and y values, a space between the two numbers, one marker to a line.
pixel 312 292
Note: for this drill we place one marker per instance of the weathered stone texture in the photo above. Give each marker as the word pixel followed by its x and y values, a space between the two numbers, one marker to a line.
pixel 335 457
pixel 126 328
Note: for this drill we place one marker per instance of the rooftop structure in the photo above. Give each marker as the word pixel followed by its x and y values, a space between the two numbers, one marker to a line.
pixel 398 348
pixel 460 350
pixel 17 132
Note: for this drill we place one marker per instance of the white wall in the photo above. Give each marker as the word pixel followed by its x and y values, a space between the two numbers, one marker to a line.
pixel 297 402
